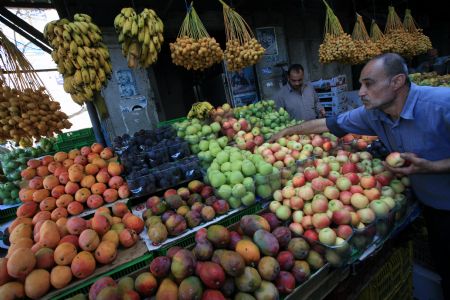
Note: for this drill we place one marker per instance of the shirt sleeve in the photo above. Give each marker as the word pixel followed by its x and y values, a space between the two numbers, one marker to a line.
pixel 353 121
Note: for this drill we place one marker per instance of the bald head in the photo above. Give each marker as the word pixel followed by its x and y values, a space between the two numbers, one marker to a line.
pixel 392 64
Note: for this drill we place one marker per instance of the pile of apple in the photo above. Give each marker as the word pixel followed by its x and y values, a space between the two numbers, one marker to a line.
pixel 338 193
pixel 356 142
pixel 186 207
pixel 265 116
pixel 45 254
pixel 221 112
pixel 237 174
pixel 195 130
pixel 68 183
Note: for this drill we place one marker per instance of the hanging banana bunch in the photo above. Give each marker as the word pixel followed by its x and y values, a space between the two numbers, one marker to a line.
pixel 200 110
pixel 141 36
pixel 80 55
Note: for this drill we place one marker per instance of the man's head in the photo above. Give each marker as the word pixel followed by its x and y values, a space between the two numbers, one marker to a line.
pixel 296 76
pixel 382 79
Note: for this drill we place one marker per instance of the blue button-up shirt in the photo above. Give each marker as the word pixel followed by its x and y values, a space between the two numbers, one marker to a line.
pixel 423 128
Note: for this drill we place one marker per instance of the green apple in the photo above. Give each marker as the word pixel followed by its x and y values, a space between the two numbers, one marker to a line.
pixel 234 202
pixel 217 179
pixel 236 165
pixel 224 191
pixel 215 126
pixel 222 157
pixel 248 168
pixel 203 145
pixel 264 191
pixel 223 141
pixel 225 167
pixel 249 183
pixel 238 190
pixel 236 177
pixel 248 199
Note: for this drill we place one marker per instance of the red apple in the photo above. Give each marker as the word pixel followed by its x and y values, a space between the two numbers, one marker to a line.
pixel 395 160
pixel 344 231
pixel 320 220
pixel 367 181
pixel 359 201
pixel 341 217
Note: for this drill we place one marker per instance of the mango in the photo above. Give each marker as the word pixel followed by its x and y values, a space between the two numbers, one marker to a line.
pixel 203 250
pixel 60 276
pixel 267 291
pixel 183 264
pixel 190 288
pixel 249 281
pixel 268 268
pixel 146 284
pixel 249 251
pixel 12 290
pixel 168 290
pixel 219 236
pixel 211 274
pixel 37 283
pixel 49 234
pixel 232 262
pixel 249 224
pixel 99 285
pixel 299 247
pixel 160 266
pixel 267 242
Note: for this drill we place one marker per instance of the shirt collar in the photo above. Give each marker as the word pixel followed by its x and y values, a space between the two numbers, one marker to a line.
pixel 408 108
pixel 301 90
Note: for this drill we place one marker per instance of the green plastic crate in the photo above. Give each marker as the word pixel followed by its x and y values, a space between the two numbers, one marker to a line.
pixel 74 139
pixel 116 273
pixel 172 121
pixel 8 214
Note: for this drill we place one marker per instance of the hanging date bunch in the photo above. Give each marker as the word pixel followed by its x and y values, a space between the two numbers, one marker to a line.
pixel 377 37
pixel 141 36
pixel 82 58
pixel 26 109
pixel 194 49
pixel 242 49
pixel 366 48
pixel 399 40
pixel 337 45
pixel 421 42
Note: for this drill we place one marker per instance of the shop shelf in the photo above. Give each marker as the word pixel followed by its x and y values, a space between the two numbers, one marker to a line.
pixel 363 237
pixel 116 273
pixel 386 224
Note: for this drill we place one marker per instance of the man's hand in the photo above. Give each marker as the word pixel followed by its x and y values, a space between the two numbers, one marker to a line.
pixel 322 113
pixel 278 135
pixel 414 165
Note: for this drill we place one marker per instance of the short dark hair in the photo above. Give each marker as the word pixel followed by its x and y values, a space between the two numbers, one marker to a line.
pixel 296 68
pixel 394 64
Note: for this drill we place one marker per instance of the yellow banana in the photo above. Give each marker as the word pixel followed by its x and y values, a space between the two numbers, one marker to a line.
pixel 88 92
pixel 78 79
pixel 94 27
pixel 73 48
pixel 78 40
pixel 81 52
pixel 67 28
pixel 86 40
pixel 101 75
pixel 92 74
pixel 74 27
pixel 85 76
pixel 66 35
pixel 98 84
pixel 134 28
pixel 81 62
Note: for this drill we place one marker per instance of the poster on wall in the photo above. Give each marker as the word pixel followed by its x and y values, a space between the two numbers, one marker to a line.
pixel 243 86
pixel 266 36
pixel 126 83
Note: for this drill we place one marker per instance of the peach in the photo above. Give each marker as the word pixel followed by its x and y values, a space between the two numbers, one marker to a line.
pixel 42 171
pixel 48 204
pixel 36 183
pixel 91 169
pixel 88 181
pixel 59 170
pixel 73 153
pixel 110 195
pixel 50 182
pixel 82 195
pixel 85 150
pixel 26 194
pixel 106 153
pixel 94 201
pixel 64 200
pixel 98 188
pixel 59 212
pixel 92 156
pixel 123 191
pixel 81 160
pixel 83 264
pixel 28 173
pixel 67 163
pixel 71 188
pixel 115 182
pixel 100 162
pixel 115 169
pixel 75 208
pixel 97 148
pixel 120 209
pixel 60 156
pixel 103 176
pixel 64 178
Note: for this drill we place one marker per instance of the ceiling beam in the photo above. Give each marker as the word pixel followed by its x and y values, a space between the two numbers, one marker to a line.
pixel 25 29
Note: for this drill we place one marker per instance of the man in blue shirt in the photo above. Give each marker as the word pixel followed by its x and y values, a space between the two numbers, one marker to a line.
pixel 413 120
